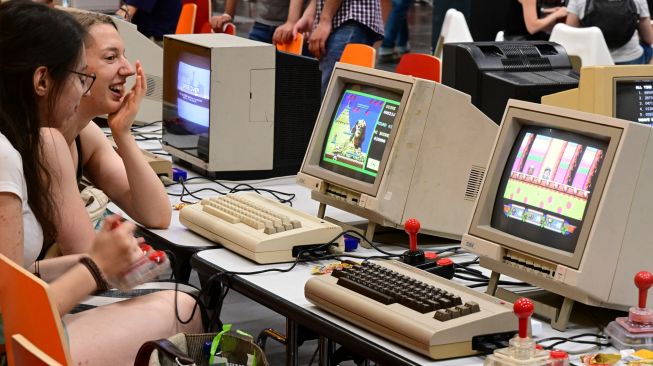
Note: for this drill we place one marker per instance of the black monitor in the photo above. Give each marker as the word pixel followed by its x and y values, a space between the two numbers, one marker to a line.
pixel 493 72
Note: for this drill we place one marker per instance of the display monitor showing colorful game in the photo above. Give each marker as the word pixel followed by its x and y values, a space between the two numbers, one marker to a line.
pixel 546 186
pixel 634 100
pixel 359 131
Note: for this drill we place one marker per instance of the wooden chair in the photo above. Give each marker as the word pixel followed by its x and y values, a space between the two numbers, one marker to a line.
pixel 202 15
pixel 27 354
pixel 295 46
pixel 28 309
pixel 186 22
pixel 419 65
pixel 359 54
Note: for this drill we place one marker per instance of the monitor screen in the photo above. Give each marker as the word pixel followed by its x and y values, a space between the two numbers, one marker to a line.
pixel 359 131
pixel 634 100
pixel 546 186
pixel 193 84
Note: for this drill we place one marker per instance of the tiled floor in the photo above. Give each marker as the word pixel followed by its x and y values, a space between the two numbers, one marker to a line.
pixel 244 313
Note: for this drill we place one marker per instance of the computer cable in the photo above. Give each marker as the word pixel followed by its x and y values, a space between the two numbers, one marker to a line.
pixel 282 197
pixel 574 339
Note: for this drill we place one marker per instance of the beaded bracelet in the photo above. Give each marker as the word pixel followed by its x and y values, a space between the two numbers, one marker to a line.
pixel 100 281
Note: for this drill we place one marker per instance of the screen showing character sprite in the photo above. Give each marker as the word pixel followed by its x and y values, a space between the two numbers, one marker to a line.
pixel 546 186
pixel 634 101
pixel 359 132
pixel 193 91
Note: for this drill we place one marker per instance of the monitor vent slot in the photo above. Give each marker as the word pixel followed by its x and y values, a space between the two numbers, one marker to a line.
pixel 474 181
pixel 154 88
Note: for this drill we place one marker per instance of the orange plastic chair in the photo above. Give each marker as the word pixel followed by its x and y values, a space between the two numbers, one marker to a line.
pixel 26 353
pixel 28 309
pixel 419 65
pixel 202 15
pixel 295 46
pixel 359 54
pixel 186 22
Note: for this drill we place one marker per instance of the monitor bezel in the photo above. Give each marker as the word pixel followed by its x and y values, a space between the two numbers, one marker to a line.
pixel 616 79
pixel 571 121
pixel 340 78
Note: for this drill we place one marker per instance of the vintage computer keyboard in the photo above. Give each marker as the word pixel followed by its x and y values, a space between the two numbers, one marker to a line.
pixel 257 227
pixel 421 311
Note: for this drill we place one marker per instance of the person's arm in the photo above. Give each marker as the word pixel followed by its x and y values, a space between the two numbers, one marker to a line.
pixel 305 23
pixel 218 21
pixel 645 30
pixel 284 32
pixel 75 231
pixel 124 175
pixel 572 20
pixel 127 12
pixel 11 228
pixel 535 24
pixel 317 42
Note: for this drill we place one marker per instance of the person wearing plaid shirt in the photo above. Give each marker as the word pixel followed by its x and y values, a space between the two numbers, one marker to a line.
pixel 333 24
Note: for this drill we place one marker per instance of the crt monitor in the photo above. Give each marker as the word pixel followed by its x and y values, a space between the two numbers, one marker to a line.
pixel 564 204
pixel 388 147
pixel 493 72
pixel 236 108
pixel 624 91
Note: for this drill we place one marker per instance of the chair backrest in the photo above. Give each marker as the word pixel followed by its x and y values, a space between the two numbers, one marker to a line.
pixel 202 15
pixel 586 43
pixel 229 28
pixel 27 354
pixel 28 309
pixel 499 37
pixel 359 54
pixel 454 29
pixel 419 65
pixel 295 46
pixel 186 22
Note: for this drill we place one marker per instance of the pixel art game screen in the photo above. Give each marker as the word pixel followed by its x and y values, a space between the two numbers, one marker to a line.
pixel 634 101
pixel 193 91
pixel 546 186
pixel 359 131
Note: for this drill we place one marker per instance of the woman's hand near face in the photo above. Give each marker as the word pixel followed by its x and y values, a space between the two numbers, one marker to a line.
pixel 121 121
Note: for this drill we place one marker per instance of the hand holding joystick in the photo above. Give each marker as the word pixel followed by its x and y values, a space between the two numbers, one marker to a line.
pixel 413 256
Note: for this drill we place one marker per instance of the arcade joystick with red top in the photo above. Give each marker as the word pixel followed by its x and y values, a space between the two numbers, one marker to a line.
pixel 636 330
pixel 413 256
pixel 522 349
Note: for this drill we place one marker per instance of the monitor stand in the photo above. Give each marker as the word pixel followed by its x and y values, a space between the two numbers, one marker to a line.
pixel 558 313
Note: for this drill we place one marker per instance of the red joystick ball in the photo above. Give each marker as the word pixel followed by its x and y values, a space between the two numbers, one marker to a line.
pixel 643 281
pixel 523 308
pixel 412 228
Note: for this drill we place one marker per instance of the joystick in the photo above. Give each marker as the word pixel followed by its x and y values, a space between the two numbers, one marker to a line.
pixel 413 256
pixel 522 349
pixel 636 330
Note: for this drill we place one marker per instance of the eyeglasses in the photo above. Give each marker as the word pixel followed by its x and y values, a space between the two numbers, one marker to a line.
pixel 86 79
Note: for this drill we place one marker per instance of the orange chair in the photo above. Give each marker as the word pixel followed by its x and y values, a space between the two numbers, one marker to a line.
pixel 229 28
pixel 202 15
pixel 295 46
pixel 27 354
pixel 419 65
pixel 359 54
pixel 186 22
pixel 28 309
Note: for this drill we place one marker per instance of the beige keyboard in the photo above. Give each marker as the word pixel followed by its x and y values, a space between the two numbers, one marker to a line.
pixel 257 227
pixel 419 310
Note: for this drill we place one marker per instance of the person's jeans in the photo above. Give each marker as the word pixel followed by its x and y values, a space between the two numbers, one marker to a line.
pixel 644 59
pixel 349 32
pixel 261 32
pixel 396 28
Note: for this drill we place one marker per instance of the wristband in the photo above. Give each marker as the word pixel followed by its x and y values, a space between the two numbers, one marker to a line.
pixel 100 281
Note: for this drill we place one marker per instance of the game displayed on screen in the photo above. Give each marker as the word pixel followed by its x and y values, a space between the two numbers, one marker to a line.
pixel 546 186
pixel 193 91
pixel 359 132
pixel 634 101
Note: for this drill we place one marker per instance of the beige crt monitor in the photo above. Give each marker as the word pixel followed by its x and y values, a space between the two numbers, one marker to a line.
pixel 389 147
pixel 623 91
pixel 139 47
pixel 565 204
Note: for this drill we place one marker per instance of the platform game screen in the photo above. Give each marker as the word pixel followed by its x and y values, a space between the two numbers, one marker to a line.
pixel 193 93
pixel 546 186
pixel 359 132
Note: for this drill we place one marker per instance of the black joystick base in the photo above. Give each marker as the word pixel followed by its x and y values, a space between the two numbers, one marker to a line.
pixel 414 257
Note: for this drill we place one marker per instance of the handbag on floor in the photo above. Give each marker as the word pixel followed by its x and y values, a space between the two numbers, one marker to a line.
pixel 225 348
